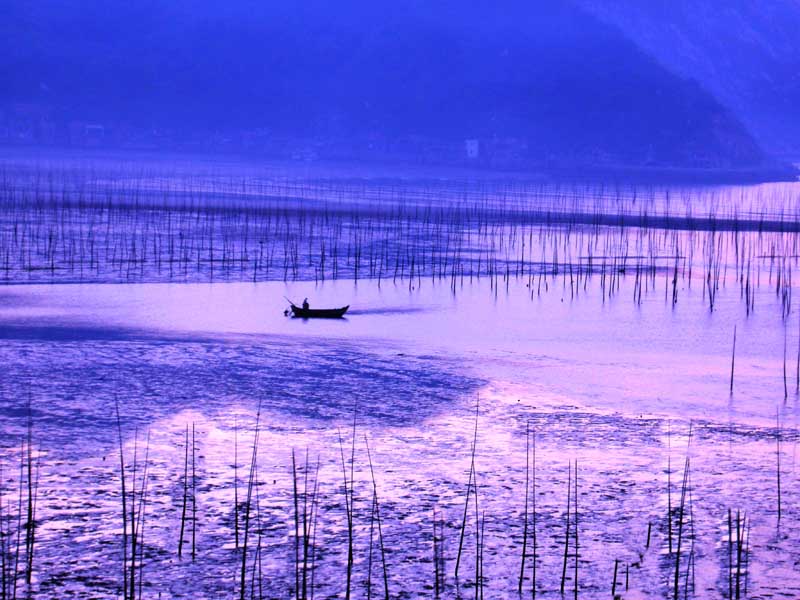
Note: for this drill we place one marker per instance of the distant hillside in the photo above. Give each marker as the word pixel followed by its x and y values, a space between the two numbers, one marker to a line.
pixel 566 88
pixel 746 52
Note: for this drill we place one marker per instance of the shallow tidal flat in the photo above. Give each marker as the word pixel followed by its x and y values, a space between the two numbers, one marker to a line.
pixel 409 428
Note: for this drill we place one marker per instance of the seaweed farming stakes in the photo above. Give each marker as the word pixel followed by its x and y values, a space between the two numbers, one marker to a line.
pixel 539 390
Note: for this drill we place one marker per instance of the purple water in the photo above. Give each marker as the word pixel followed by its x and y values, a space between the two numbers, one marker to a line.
pixel 605 381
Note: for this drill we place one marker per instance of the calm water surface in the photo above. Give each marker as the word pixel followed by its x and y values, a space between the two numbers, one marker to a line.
pixel 629 390
pixel 608 383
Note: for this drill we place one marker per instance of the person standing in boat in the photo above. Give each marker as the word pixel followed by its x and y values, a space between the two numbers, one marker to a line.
pixel 306 306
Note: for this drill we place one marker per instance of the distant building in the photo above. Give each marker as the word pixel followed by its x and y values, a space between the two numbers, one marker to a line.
pixel 472 147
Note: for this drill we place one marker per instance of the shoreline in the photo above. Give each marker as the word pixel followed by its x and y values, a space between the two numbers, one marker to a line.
pixel 404 169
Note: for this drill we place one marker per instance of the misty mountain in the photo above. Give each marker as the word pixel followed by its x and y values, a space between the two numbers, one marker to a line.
pixel 573 89
pixel 746 52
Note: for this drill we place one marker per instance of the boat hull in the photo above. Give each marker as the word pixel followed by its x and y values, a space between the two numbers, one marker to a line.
pixel 318 313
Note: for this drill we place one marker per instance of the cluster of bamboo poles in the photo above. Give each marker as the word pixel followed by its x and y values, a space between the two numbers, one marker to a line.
pixel 16 554
pixel 128 234
pixel 677 558
pixel 134 496
pixel 680 529
pixel 738 554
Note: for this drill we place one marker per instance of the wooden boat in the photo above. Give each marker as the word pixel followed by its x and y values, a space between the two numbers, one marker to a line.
pixel 318 313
